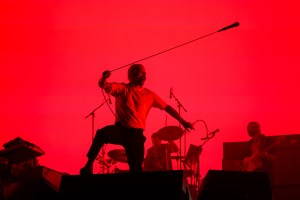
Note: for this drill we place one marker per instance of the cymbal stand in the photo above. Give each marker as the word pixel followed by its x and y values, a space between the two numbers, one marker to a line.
pixel 102 161
pixel 106 164
pixel 179 105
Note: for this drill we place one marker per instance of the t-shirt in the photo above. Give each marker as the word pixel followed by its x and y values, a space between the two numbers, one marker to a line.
pixel 134 103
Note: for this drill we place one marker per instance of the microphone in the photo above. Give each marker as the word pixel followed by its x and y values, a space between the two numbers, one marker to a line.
pixel 171 92
pixel 230 26
pixel 211 133
pixel 109 100
pixel 214 132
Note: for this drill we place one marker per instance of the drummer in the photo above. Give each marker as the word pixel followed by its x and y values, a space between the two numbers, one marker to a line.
pixel 158 156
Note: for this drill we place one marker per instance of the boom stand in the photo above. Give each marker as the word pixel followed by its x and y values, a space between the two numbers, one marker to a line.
pixel 93 117
pixel 193 160
pixel 179 105
pixel 93 121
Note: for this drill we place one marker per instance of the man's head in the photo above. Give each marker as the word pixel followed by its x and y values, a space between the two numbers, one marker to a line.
pixel 156 141
pixel 253 128
pixel 137 74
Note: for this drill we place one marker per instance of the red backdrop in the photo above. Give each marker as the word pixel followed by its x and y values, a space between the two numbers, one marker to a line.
pixel 53 53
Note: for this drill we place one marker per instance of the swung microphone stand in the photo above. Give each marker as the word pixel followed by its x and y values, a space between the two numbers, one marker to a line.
pixel 180 45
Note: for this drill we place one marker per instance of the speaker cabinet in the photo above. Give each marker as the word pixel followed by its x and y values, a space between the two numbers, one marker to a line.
pixel 235 185
pixel 146 185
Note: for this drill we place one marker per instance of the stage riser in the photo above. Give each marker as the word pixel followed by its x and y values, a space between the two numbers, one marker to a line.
pixel 235 185
pixel 146 185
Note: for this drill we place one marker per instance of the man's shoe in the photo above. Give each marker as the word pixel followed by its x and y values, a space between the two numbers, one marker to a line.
pixel 85 171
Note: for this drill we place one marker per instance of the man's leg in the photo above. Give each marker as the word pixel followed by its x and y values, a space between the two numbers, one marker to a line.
pixel 134 147
pixel 108 134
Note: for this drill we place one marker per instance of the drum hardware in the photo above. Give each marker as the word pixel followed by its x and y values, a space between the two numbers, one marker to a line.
pixel 106 162
pixel 188 172
pixel 178 157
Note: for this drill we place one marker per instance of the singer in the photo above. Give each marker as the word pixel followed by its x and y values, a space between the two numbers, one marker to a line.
pixel 133 102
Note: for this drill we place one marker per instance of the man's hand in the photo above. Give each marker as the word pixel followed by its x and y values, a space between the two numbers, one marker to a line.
pixel 106 74
pixel 188 126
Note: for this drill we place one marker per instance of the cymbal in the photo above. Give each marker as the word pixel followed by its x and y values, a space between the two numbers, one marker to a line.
pixel 118 155
pixel 170 133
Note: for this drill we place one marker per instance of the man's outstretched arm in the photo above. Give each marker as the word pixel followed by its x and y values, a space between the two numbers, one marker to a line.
pixel 171 111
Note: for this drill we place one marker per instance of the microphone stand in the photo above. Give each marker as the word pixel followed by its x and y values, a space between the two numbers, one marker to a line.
pixel 179 105
pixel 200 149
pixel 92 113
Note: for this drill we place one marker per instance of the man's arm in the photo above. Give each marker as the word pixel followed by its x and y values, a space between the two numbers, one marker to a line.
pixel 102 81
pixel 171 111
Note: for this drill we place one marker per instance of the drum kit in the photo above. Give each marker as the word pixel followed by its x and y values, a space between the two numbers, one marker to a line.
pixel 167 133
pixel 189 161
